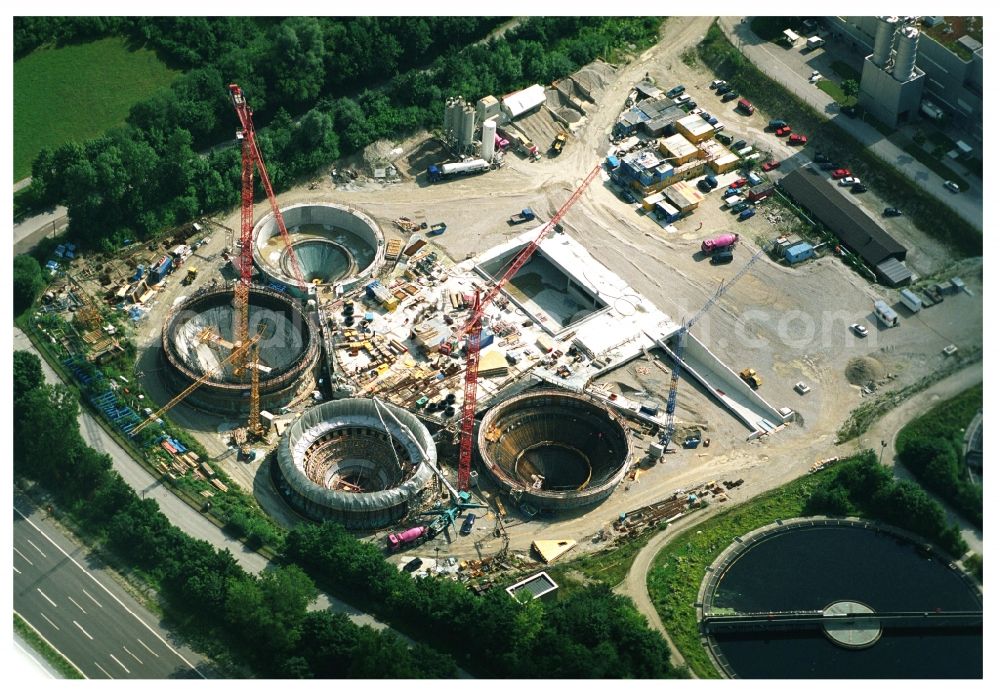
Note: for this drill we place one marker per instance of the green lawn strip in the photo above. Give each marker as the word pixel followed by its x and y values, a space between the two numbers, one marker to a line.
pixel 78 92
pixel 679 568
pixel 612 564
pixel 834 90
pixel 46 650
pixel 928 213
pixel 845 70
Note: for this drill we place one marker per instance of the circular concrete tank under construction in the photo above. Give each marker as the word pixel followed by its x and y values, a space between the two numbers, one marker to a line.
pixel 197 336
pixel 333 245
pixel 555 449
pixel 355 461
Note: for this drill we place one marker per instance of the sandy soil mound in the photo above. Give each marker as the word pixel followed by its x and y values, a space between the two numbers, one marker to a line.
pixel 862 370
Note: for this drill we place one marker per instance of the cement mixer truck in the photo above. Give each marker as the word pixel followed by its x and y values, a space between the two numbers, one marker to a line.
pixel 709 246
pixel 395 541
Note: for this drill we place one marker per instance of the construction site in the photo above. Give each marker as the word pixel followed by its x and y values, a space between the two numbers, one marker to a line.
pixel 404 357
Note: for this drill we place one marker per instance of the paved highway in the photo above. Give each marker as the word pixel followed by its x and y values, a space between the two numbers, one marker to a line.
pixel 82 612
pixel 773 61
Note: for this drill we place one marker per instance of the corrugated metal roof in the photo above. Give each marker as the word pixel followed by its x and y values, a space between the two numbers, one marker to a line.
pixel 525 100
pixel 854 228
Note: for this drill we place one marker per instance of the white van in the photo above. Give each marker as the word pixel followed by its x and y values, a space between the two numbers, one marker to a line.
pixel 910 301
pixel 745 151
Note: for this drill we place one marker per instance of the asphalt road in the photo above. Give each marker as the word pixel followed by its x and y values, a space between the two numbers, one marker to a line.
pixel 773 61
pixel 82 612
pixel 32 230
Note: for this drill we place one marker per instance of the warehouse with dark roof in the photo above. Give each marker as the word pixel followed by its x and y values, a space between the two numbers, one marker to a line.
pixel 856 230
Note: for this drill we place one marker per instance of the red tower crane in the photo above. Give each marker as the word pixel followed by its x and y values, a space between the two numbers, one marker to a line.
pixel 252 158
pixel 471 331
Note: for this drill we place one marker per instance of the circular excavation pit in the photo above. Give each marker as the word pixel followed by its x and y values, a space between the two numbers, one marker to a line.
pixel 554 449
pixel 197 337
pixel 354 461
pixel 332 245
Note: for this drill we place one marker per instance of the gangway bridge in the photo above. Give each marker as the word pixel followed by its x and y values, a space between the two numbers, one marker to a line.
pixel 803 620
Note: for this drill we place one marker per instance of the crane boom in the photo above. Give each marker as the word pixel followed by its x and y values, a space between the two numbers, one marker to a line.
pixel 251 157
pixel 675 371
pixel 472 328
pixel 237 354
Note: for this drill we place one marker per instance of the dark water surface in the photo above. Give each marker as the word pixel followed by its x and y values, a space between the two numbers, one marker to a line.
pixel 810 568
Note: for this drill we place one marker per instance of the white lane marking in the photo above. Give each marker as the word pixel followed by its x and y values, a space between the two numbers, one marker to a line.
pixel 147 648
pixel 108 592
pixel 51 646
pixel 105 672
pixel 119 663
pixel 16 569
pixel 91 598
pixel 36 548
pixel 24 556
pixel 48 621
pixel 46 597
pixel 132 655
pixel 77 604
pixel 81 629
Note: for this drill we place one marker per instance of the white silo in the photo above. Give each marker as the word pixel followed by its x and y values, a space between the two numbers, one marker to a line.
pixel 884 32
pixel 906 53
pixel 467 127
pixel 489 140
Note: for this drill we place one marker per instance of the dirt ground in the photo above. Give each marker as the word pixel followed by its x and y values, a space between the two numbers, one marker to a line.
pixel 790 324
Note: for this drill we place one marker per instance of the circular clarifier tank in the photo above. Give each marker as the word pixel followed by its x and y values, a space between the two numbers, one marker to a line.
pixel 198 336
pixel 332 245
pixel 558 450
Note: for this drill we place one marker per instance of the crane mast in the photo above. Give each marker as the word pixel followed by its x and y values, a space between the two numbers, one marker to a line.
pixel 252 158
pixel 472 328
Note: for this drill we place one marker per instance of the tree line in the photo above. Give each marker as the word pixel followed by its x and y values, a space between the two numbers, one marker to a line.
pixel 297 73
pixel 260 625
pixel 932 447
pixel 591 633
pixel 863 486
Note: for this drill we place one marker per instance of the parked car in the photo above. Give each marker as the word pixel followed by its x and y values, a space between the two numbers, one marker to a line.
pixel 802 388
pixel 738 183
pixel 747 214
pixel 952 186
pixel 859 188
pixel 676 91
pixel 773 164
pixel 628 197
pixel 717 83
pixel 820 158
pixel 724 138
pixel 739 145
pixel 849 181
pixel 722 256
pixel 841 173
pixel 796 139
pixel 470 519
pixel 776 123
pixel 859 330
pixel 815 77
pixel 783 131
pixel 705 114
pixel 683 98
pixel 891 212
pixel 729 96
pixel 413 565
pixel 740 207
pixel 712 120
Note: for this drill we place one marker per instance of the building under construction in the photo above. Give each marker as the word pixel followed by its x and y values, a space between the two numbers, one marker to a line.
pixel 334 245
pixel 197 337
pixel 360 462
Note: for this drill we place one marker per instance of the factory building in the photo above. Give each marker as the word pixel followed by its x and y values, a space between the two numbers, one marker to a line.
pixel 678 149
pixel 891 82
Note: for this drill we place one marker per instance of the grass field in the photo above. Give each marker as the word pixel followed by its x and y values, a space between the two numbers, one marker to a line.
pixel 77 92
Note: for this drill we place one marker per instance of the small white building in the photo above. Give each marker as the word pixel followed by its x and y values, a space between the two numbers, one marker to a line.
pixel 519 103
